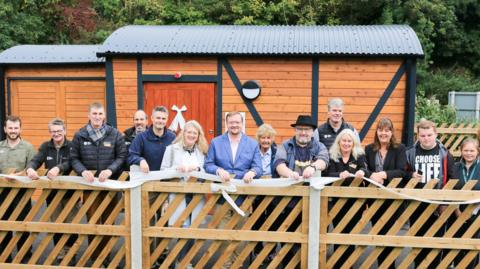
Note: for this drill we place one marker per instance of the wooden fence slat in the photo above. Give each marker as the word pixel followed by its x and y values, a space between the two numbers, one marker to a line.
pixel 155 207
pixel 109 229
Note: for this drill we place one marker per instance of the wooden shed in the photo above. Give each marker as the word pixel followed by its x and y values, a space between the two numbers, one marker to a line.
pixel 298 69
pixel 42 82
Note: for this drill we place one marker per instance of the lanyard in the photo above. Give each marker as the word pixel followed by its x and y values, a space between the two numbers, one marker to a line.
pixel 468 175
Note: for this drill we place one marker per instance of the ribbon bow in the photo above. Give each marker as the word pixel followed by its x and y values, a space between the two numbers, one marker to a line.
pixel 178 120
pixel 225 189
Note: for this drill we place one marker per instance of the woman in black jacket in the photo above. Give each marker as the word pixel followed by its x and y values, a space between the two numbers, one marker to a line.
pixel 347 158
pixel 386 158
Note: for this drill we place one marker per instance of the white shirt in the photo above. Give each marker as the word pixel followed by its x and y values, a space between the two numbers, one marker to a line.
pixel 266 161
pixel 234 146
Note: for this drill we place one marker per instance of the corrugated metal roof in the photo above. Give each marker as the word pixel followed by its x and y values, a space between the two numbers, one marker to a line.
pixel 264 40
pixel 57 54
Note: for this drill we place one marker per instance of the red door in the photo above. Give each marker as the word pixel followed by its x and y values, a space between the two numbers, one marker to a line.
pixel 198 98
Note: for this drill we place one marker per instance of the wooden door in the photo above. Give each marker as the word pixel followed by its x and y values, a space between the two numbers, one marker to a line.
pixel 198 98
pixel 38 102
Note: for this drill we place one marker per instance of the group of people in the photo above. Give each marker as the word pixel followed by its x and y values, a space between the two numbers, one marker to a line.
pixel 333 148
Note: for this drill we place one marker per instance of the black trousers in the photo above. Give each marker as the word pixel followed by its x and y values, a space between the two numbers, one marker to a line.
pixel 56 237
pixel 424 228
pixel 277 223
pixel 21 217
pixel 389 222
pixel 347 229
pixel 460 233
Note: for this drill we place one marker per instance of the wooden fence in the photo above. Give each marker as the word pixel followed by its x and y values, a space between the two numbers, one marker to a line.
pixel 452 135
pixel 160 224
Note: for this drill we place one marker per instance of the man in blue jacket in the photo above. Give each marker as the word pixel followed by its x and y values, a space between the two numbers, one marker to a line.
pixel 236 154
pixel 147 148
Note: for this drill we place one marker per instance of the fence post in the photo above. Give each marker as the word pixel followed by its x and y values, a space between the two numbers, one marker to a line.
pixel 136 227
pixel 314 229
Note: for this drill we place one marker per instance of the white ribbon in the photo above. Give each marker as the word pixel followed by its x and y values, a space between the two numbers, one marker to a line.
pixel 328 180
pixel 225 189
pixel 138 178
pixel 178 120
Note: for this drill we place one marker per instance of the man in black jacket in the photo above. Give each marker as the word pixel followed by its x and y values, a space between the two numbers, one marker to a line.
pixel 328 131
pixel 100 147
pixel 55 153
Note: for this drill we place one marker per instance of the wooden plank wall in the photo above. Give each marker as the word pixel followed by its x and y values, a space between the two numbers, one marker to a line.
pixel 37 101
pixel 125 84
pixel 361 83
pixel 286 91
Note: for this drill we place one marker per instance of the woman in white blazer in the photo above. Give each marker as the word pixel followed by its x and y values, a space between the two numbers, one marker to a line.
pixel 186 154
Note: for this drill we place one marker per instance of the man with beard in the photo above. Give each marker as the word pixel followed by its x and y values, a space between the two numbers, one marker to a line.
pixel 299 157
pixel 236 154
pixel 55 154
pixel 140 122
pixel 327 132
pixel 100 147
pixel 15 153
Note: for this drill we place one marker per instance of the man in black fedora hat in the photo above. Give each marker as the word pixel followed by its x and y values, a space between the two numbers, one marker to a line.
pixel 299 156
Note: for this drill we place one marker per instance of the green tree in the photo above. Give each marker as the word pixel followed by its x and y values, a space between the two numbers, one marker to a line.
pixel 26 22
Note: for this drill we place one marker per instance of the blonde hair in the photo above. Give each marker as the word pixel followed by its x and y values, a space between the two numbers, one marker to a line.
pixel 265 130
pixel 201 141
pixel 233 113
pixel 357 149
pixel 469 140
pixel 426 124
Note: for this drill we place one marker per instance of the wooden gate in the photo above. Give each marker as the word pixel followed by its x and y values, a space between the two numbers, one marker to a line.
pixel 198 98
pixel 258 239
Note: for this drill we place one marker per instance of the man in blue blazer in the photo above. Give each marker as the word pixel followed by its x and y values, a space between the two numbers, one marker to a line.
pixel 234 153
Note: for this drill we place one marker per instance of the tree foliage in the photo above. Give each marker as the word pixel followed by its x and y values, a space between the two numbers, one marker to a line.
pixel 448 29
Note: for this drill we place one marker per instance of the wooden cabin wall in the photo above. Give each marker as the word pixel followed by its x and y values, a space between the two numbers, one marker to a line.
pixel 184 65
pixel 361 83
pixel 286 88
pixel 286 91
pixel 125 84
pixel 39 101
